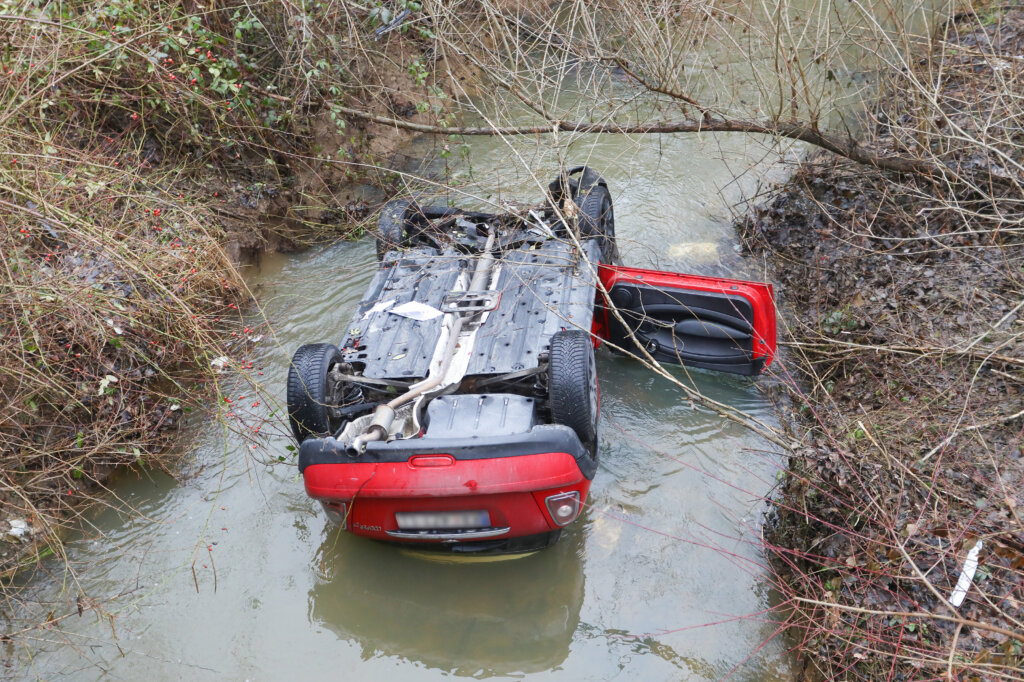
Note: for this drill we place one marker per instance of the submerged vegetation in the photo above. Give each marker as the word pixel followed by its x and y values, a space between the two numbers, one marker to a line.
pixel 145 146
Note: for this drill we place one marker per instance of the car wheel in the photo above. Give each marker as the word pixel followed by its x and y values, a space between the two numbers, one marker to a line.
pixel 572 384
pixel 597 218
pixel 393 226
pixel 311 392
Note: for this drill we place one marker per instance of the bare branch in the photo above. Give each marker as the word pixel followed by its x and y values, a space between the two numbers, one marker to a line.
pixel 846 147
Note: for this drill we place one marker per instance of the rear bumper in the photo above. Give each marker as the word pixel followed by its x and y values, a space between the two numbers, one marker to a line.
pixel 511 490
pixel 508 476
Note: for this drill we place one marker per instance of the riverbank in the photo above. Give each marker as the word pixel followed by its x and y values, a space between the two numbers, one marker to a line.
pixel 903 302
pixel 145 151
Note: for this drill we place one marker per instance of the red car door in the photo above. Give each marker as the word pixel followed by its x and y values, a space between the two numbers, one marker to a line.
pixel 719 324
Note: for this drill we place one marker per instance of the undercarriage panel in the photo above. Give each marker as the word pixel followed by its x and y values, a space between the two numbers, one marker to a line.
pixel 544 288
pixel 389 345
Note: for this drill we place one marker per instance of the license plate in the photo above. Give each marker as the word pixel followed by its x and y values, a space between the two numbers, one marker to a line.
pixel 442 520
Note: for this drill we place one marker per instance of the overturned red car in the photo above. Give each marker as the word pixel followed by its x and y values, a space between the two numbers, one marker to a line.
pixel 460 412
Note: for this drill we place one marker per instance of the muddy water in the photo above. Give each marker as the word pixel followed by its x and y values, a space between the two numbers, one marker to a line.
pixel 231 572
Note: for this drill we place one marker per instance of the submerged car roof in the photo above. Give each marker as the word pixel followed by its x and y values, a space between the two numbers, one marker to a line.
pixel 545 288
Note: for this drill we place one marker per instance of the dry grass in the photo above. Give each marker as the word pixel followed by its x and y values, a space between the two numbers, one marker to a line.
pixel 117 295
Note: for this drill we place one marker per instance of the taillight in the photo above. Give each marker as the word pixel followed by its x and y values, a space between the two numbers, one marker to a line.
pixel 335 512
pixel 563 507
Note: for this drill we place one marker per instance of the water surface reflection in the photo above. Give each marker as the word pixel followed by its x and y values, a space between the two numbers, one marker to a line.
pixel 463 616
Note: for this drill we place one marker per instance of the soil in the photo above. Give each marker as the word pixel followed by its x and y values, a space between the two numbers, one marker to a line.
pixel 333 186
pixel 905 355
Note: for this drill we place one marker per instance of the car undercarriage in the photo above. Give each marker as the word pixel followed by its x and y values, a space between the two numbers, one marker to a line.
pixel 461 409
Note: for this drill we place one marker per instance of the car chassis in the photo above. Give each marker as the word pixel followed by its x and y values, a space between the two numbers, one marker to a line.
pixel 461 411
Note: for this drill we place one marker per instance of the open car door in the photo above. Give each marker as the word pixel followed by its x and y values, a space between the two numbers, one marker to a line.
pixel 720 324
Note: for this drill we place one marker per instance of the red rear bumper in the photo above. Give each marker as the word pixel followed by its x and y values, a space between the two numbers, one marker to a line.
pixel 512 490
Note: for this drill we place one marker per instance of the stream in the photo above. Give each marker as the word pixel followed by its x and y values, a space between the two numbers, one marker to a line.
pixel 660 579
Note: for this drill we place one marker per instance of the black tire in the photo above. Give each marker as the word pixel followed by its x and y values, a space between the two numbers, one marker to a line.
pixel 596 215
pixel 393 226
pixel 597 219
pixel 572 384
pixel 309 395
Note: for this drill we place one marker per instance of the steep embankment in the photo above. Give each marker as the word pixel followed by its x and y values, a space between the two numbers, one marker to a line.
pixel 904 302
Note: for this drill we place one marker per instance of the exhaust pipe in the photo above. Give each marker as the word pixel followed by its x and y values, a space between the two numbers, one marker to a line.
pixel 383 417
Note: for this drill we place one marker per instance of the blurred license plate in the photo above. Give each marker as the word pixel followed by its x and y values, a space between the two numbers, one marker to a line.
pixel 440 520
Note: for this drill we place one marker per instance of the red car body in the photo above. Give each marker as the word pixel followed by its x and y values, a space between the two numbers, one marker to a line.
pixel 501 470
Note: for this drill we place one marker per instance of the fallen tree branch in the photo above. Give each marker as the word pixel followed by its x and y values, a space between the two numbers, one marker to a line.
pixel 848 147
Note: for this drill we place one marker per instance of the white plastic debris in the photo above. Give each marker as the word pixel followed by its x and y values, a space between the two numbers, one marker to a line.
pixel 698 252
pixel 19 530
pixel 966 576
pixel 105 382
pixel 377 307
pixel 220 363
pixel 416 311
